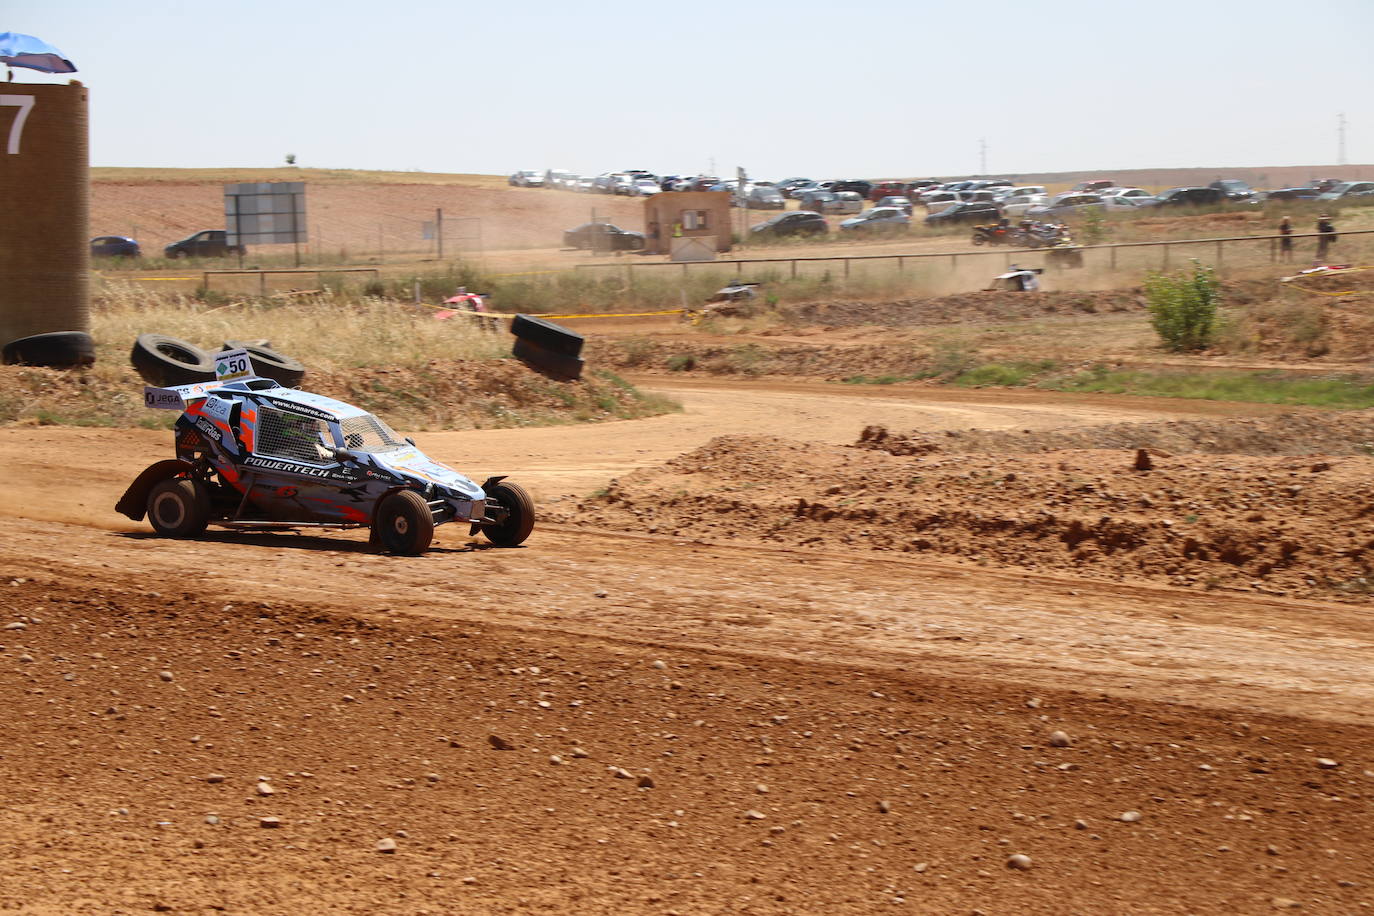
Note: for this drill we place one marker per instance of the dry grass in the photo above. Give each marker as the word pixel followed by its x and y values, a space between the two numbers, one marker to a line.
pixel 325 332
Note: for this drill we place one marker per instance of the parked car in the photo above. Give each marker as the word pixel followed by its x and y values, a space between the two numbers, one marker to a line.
pixel 798 222
pixel 853 184
pixel 975 211
pixel 1234 190
pixel 1119 202
pixel 1349 189
pixel 845 202
pixel 935 200
pixel 1018 204
pixel 527 178
pixel 1096 184
pixel 558 178
pixel 645 187
pixel 1066 205
pixel 603 237
pixel 883 189
pixel 902 203
pixel 210 243
pixel 1124 192
pixel 1293 194
pixel 114 246
pixel 764 198
pixel 878 220
pixel 1188 197
pixel 976 194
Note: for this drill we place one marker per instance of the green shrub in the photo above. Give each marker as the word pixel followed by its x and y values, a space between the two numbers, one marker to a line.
pixel 1183 309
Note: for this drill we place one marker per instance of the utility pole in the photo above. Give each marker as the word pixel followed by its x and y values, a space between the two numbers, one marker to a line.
pixel 982 156
pixel 1340 139
pixel 439 229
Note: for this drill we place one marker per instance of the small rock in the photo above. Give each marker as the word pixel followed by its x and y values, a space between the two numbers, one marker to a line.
pixel 920 867
pixel 761 789
pixel 212 819
pixel 1033 703
pixel 754 815
pixel 1142 460
pixel 1019 862
pixel 885 806
pixel 1283 903
pixel 166 676
pixel 499 743
pixel 269 823
pixel 17 625
pixel 386 844
pixel 26 657
pixel 349 698
pixel 578 752
pixel 1326 763
pixel 265 789
pixel 645 782
pixel 1059 739
pixel 621 773
pixel 1130 817
pixel 555 760
pixel 469 880
pixel 660 664
pixel 1080 824
pixel 216 778
pixel 601 594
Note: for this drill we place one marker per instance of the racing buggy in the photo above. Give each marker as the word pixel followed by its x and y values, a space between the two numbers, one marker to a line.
pixel 252 454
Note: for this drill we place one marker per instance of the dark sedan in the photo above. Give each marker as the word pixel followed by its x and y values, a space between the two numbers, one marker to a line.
pixel 1294 194
pixel 973 211
pixel 114 246
pixel 798 222
pixel 210 243
pixel 603 237
pixel 1189 197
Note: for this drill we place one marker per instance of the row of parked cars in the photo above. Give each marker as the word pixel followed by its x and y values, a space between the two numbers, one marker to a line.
pixel 208 243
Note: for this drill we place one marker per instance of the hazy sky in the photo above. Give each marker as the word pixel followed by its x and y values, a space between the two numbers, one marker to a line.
pixel 865 88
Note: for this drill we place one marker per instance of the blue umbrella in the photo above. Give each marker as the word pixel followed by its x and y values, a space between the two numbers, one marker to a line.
pixel 26 51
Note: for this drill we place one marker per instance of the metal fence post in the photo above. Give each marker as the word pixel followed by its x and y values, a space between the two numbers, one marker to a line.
pixel 1113 257
pixel 1220 256
pixel 794 268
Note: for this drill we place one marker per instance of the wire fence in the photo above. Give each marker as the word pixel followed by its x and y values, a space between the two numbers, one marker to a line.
pixel 1220 253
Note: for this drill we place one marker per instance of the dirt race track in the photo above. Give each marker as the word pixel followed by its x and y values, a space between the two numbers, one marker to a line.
pixel 614 721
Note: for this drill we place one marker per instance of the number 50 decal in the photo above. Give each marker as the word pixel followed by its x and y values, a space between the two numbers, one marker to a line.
pixel 25 104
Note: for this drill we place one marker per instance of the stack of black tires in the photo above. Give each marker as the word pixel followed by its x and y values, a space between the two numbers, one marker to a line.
pixel 547 347
pixel 164 361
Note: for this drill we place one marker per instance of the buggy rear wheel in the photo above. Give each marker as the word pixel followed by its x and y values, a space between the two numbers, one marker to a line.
pixel 403 524
pixel 519 523
pixel 179 507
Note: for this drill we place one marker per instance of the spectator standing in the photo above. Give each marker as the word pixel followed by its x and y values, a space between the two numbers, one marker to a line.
pixel 1285 239
pixel 1326 235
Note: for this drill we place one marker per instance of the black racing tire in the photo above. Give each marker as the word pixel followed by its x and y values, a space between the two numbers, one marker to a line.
pixel 552 337
pixel 518 525
pixel 163 360
pixel 403 524
pixel 179 507
pixel 268 363
pixel 55 349
pixel 979 238
pixel 555 365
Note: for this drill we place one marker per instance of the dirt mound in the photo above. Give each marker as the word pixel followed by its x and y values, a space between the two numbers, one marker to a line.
pixel 1284 525
pixel 1310 433
pixel 439 395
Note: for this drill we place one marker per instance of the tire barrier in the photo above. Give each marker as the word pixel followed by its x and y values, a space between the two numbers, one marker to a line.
pixel 552 337
pixel 268 363
pixel 556 365
pixel 164 361
pixel 55 349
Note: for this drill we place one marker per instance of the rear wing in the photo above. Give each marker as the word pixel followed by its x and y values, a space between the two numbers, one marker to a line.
pixel 230 366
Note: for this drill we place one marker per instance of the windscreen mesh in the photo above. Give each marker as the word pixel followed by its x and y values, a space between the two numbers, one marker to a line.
pixel 290 436
pixel 369 434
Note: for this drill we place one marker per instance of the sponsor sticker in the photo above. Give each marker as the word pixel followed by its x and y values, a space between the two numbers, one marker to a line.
pixel 232 365
pixel 162 398
pixel 218 408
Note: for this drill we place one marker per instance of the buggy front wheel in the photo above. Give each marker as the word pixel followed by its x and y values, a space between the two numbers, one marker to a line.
pixel 403 524
pixel 518 523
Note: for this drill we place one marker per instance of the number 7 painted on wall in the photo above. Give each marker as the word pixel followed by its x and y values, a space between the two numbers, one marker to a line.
pixel 25 104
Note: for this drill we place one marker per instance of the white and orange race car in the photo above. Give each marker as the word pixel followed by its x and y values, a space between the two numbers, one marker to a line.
pixel 252 454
